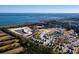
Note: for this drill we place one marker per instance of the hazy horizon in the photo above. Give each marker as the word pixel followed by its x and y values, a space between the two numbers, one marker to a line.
pixel 39 8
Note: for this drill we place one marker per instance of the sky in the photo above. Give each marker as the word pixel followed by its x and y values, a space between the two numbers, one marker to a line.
pixel 39 8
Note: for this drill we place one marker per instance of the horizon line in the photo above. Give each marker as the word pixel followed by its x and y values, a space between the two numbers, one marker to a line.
pixel 35 12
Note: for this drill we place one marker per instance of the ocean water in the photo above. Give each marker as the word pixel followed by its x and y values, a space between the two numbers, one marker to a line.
pixel 24 18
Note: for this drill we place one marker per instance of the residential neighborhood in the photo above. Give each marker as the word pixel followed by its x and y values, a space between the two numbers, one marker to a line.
pixel 58 39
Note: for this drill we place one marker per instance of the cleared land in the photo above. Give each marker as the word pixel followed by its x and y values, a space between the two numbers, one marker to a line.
pixel 9 44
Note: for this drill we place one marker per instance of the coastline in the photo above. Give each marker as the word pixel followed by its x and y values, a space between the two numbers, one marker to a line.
pixel 20 25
